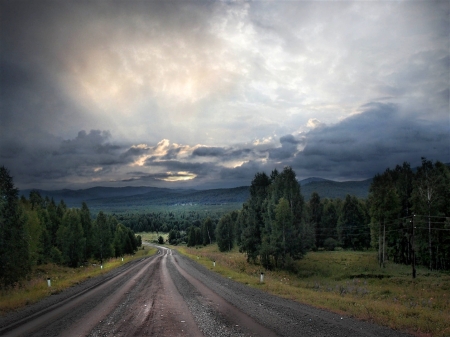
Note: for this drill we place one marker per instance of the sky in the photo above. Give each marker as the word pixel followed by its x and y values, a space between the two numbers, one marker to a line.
pixel 205 94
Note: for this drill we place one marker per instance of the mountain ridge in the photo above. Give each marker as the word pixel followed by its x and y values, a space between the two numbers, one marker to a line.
pixel 121 197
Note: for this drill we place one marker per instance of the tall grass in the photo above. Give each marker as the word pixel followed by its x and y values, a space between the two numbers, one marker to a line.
pixel 349 283
pixel 36 288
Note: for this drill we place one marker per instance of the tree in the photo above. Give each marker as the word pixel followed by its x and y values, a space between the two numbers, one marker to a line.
pixel 191 237
pixel 282 234
pixel 224 233
pixel 329 220
pixel 250 232
pixel 315 217
pixel 353 231
pixel 70 238
pixel 430 198
pixel 86 224
pixel 385 209
pixel 207 231
pixel 103 247
pixel 173 236
pixel 14 252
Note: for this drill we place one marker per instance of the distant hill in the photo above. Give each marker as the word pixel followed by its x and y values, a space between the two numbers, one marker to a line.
pixel 112 198
pixel 335 189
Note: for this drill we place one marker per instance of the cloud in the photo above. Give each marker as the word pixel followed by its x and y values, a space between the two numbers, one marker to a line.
pixel 288 149
pixel 215 90
pixel 367 143
pixel 205 151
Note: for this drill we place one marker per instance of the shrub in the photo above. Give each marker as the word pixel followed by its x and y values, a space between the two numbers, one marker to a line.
pixel 330 244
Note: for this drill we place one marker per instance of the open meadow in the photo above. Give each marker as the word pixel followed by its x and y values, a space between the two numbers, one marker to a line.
pixel 349 283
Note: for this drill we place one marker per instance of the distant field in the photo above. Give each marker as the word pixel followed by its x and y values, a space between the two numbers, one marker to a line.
pixel 349 283
pixel 152 237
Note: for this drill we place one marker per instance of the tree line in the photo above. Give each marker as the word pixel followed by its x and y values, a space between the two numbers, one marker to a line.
pixel 406 218
pixel 276 226
pixel 37 231
pixel 165 221
pixel 410 215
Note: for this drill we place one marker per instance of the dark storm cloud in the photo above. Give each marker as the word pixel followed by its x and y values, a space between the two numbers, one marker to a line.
pixel 208 151
pixel 243 175
pixel 94 142
pixel 88 155
pixel 367 143
pixel 230 153
pixel 288 149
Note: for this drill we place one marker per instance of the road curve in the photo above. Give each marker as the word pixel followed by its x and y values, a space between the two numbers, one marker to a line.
pixel 171 295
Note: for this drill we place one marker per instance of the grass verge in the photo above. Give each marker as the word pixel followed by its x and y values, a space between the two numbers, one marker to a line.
pixel 36 288
pixel 348 283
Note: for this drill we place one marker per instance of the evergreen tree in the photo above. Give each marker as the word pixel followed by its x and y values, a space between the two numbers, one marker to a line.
pixel 14 250
pixel 353 231
pixel 315 218
pixel 329 220
pixel 86 224
pixel 70 238
pixel 191 237
pixel 103 238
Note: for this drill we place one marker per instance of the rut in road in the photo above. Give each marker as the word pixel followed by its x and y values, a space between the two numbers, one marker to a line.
pixel 165 303
pixel 152 308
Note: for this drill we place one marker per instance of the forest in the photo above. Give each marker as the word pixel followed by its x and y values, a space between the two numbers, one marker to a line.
pixel 406 218
pixel 37 231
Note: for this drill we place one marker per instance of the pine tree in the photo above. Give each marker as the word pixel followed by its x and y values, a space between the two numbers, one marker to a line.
pixel 70 238
pixel 14 252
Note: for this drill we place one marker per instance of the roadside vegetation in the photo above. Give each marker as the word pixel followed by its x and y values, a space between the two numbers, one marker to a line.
pixel 349 283
pixel 35 287
pixel 38 231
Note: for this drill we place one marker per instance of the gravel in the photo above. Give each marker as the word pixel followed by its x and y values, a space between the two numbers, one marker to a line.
pixel 284 317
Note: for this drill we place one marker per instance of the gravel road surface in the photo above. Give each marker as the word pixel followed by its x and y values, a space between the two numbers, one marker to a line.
pixel 171 295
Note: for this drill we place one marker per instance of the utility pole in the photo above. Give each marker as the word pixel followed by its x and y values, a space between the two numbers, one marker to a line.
pixel 384 241
pixel 413 258
pixel 379 245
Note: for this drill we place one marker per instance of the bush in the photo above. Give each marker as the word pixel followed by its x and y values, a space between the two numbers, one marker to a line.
pixel 330 244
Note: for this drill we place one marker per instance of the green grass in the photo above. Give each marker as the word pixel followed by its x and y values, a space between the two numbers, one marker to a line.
pixel 348 283
pixel 152 237
pixel 35 288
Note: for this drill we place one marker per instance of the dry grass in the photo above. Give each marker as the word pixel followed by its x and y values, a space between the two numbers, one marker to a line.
pixel 152 237
pixel 36 288
pixel 349 283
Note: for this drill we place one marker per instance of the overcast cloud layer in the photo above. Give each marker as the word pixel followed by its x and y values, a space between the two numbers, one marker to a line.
pixel 205 94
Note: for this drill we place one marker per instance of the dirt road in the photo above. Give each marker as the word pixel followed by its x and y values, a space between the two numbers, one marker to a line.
pixel 170 295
